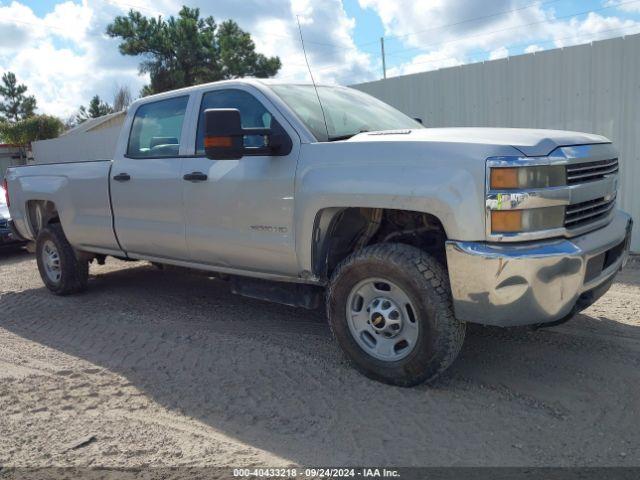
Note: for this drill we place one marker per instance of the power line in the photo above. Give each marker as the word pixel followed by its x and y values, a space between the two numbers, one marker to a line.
pixel 475 60
pixel 398 53
pixel 593 34
pixel 586 12
pixel 346 48
pixel 474 19
pixel 276 35
pixel 468 20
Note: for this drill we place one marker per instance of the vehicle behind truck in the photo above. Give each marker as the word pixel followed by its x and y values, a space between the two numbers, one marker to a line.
pixel 7 238
pixel 404 233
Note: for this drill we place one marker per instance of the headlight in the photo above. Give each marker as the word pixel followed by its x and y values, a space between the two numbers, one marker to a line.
pixel 544 176
pixel 530 220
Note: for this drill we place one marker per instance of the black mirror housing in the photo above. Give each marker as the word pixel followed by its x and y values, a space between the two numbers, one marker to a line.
pixel 223 134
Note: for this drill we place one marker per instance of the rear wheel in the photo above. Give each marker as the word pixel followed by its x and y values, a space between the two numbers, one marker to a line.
pixel 61 271
pixel 389 307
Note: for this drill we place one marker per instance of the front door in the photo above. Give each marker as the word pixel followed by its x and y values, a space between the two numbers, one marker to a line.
pixel 241 215
pixel 146 183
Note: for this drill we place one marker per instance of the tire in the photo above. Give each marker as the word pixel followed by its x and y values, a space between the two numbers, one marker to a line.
pixel 60 269
pixel 418 286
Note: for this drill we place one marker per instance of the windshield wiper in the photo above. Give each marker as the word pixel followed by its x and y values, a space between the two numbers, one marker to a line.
pixel 341 137
pixel 346 137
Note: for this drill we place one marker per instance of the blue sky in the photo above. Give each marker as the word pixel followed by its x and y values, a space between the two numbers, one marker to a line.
pixel 369 26
pixel 58 47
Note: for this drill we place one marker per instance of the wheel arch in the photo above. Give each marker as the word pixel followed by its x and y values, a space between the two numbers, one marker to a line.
pixel 339 231
pixel 41 213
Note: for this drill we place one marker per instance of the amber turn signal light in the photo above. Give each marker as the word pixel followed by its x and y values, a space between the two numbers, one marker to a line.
pixel 218 142
pixel 506 221
pixel 502 178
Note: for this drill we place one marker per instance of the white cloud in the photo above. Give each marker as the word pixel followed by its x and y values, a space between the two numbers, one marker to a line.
pixel 533 48
pixel 65 58
pixel 456 31
pixel 624 5
pixel 69 20
pixel 501 52
pixel 593 27
pixel 327 32
pixel 448 32
pixel 446 57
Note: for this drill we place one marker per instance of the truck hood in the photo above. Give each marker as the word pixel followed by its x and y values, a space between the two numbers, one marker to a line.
pixel 531 142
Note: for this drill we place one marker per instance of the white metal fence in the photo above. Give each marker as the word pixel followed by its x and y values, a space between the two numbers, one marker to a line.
pixel 590 88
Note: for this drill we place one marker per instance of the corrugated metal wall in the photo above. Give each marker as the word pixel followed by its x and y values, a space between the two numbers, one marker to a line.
pixel 590 88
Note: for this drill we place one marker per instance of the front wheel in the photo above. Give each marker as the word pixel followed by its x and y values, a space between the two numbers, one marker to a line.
pixel 61 271
pixel 389 307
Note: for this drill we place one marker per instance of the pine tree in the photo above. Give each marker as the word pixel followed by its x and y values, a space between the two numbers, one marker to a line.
pixel 189 50
pixel 97 108
pixel 16 106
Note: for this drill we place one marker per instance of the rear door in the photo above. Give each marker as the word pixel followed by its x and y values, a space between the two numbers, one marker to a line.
pixel 146 182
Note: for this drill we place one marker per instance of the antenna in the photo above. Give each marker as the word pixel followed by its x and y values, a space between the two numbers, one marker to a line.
pixel 315 87
pixel 384 60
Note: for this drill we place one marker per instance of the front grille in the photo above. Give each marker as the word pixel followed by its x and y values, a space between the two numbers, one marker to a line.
pixel 586 212
pixel 589 171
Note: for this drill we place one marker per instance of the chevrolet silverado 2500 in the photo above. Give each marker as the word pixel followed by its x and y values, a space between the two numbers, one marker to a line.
pixel 406 232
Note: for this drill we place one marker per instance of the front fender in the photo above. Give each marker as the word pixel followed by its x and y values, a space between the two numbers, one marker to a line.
pixel 368 177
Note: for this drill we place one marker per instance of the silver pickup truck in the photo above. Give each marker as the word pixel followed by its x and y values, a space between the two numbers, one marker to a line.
pixel 406 232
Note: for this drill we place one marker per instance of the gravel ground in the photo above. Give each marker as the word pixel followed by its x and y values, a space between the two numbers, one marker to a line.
pixel 162 368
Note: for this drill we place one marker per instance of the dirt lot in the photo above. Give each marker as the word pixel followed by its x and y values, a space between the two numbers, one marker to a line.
pixel 164 368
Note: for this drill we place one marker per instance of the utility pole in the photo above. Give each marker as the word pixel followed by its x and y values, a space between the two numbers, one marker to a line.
pixel 384 60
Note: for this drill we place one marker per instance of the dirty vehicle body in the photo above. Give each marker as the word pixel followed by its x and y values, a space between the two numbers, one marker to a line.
pixel 408 232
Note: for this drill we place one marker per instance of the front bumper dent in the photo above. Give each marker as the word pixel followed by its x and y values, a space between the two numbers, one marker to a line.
pixel 535 282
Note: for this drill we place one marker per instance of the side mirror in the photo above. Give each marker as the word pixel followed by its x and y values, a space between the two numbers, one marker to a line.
pixel 224 137
pixel 418 119
pixel 223 134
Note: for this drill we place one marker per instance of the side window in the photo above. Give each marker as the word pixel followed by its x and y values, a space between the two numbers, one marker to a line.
pixel 157 128
pixel 253 113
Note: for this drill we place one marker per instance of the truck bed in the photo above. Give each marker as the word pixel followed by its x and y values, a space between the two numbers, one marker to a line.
pixel 80 190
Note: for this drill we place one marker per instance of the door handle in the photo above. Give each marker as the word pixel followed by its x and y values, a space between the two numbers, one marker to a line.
pixel 195 177
pixel 122 177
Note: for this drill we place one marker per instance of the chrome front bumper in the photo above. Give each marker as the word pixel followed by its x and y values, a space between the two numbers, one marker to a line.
pixel 535 282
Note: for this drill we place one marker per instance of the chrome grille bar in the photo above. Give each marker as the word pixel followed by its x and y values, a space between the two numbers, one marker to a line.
pixel 581 207
pixel 584 172
pixel 592 165
pixel 586 212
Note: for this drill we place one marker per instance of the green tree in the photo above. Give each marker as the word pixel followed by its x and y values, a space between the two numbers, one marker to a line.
pixel 36 127
pixel 25 131
pixel 97 108
pixel 16 105
pixel 188 50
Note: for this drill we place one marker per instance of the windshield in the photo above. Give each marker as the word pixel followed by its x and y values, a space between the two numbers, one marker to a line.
pixel 348 111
